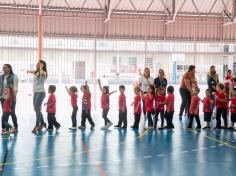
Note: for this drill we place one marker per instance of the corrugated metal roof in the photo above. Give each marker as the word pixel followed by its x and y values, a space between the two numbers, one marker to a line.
pixel 182 6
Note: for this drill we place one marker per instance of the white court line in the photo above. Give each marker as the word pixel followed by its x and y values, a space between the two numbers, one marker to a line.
pixel 203 148
pixel 41 167
pixel 161 155
pixel 184 151
pixel 145 157
pixel 194 150
pixel 213 146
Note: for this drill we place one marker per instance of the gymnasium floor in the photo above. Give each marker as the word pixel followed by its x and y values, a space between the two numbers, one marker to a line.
pixel 178 152
pixel 120 152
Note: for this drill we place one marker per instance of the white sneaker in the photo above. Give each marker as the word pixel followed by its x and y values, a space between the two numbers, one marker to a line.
pixel 73 128
pixel 109 124
pixel 104 127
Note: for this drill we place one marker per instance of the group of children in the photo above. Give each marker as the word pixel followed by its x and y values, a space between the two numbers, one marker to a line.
pixel 156 103
pixel 219 101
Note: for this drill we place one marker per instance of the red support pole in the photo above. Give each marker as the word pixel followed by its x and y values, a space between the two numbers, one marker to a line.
pixel 40 32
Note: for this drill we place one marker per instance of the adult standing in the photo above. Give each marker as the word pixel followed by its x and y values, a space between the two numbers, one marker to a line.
pixel 160 81
pixel 144 81
pixel 9 79
pixel 187 83
pixel 212 79
pixel 40 76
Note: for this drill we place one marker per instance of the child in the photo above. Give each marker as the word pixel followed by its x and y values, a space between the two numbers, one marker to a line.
pixel 221 106
pixel 72 91
pixel 194 108
pixel 170 101
pixel 149 98
pixel 86 107
pixel 122 108
pixel 137 108
pixel 207 108
pixel 160 108
pixel 7 109
pixel 105 104
pixel 233 108
pixel 51 109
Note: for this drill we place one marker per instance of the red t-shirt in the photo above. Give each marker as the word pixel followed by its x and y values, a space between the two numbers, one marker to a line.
pixel 194 106
pixel 122 102
pixel 220 104
pixel 149 99
pixel 160 99
pixel 170 103
pixel 73 100
pixel 137 104
pixel 52 103
pixel 87 97
pixel 228 78
pixel 105 101
pixel 7 105
pixel 233 102
pixel 207 104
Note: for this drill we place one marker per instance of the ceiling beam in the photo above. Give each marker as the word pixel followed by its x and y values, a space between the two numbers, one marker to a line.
pixel 133 5
pixel 195 6
pixel 231 18
pixel 108 10
pixel 176 11
pixel 166 9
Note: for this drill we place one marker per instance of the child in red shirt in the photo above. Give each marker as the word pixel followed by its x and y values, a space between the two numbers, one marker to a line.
pixel 233 108
pixel 105 104
pixel 194 109
pixel 86 107
pixel 51 109
pixel 170 101
pixel 72 91
pixel 221 102
pixel 149 98
pixel 7 109
pixel 137 107
pixel 160 106
pixel 122 108
pixel 207 108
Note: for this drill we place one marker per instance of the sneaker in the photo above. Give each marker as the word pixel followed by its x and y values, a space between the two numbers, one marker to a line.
pixel 198 128
pixel 42 126
pixel 35 130
pixel 5 132
pixel 117 126
pixel 14 130
pixel 109 124
pixel 92 127
pixel 49 129
pixel 149 128
pixel 72 128
pixel 104 127
pixel 57 128
pixel 206 127
pixel 180 117
pixel 124 127
pixel 217 128
pixel 134 127
pixel 81 127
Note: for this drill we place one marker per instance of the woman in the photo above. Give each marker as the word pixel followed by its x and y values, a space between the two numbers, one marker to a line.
pixel 144 81
pixel 160 81
pixel 187 83
pixel 9 79
pixel 212 79
pixel 40 75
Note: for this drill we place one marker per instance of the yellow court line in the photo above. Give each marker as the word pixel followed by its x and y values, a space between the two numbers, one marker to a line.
pixel 213 139
pixel 61 156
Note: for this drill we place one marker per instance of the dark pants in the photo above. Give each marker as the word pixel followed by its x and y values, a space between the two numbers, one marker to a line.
pixel 143 102
pixel 191 121
pixel 5 118
pixel 221 112
pixel 162 117
pixel 37 102
pixel 122 118
pixel 73 116
pixel 13 113
pixel 149 117
pixel 169 119
pixel 86 115
pixel 52 121
pixel 186 100
pixel 104 115
pixel 136 120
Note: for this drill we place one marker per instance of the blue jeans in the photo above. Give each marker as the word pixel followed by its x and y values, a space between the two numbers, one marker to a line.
pixel 37 101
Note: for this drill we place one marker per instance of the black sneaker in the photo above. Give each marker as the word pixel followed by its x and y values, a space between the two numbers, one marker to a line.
pixel 206 127
pixel 117 126
pixel 198 128
pixel 57 128
pixel 124 127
